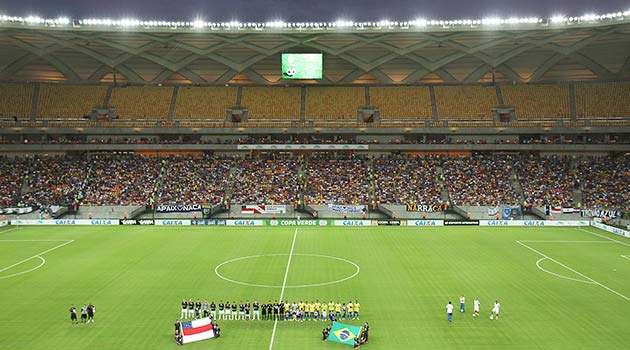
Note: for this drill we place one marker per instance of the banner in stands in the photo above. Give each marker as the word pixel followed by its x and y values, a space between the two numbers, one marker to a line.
pixel 511 212
pixel 611 229
pixel 352 223
pixel 387 222
pixel 172 222
pixel 244 223
pixel 137 222
pixel 562 210
pixel 209 222
pixel 414 207
pixel 425 222
pixel 263 209
pixel 297 222
pixel 177 208
pixel 17 211
pixel 493 211
pixel 82 222
pixel 601 213
pixel 461 222
pixel 350 209
pixel 302 147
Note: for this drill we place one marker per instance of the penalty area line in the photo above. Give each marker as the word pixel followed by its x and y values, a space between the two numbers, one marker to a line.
pixel 602 236
pixel 574 271
pixel 37 255
pixel 284 284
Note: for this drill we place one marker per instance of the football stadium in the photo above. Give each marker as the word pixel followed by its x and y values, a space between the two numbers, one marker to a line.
pixel 416 184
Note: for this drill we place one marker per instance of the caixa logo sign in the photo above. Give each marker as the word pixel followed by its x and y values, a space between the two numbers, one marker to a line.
pixel 172 222
pixel 101 222
pixel 65 222
pixel 425 223
pixel 534 223
pixel 498 223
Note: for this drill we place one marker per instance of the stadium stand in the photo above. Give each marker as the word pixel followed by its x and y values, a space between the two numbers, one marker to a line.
pixel 341 179
pixel 402 102
pixel 195 180
pixel 69 101
pixel 545 180
pixel 13 171
pixel 204 102
pixel 270 103
pixel 605 182
pixel 141 102
pixel 465 102
pixel 265 180
pixel 404 179
pixel 538 101
pixel 480 180
pixel 602 100
pixel 16 100
pixel 54 180
pixel 120 179
pixel 334 103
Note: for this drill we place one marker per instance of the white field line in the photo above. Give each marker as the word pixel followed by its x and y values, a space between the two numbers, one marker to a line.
pixel 574 271
pixel 542 241
pixel 626 256
pixel 37 255
pixel 27 271
pixel 557 275
pixel 284 283
pixel 9 230
pixel 602 236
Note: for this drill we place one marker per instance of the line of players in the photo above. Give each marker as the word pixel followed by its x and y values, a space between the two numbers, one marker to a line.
pixel 87 314
pixel 476 304
pixel 301 311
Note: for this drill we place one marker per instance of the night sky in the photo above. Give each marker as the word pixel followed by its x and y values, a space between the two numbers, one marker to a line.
pixel 305 10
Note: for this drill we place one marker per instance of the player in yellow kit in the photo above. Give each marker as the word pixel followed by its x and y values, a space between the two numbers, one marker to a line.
pixel 338 310
pixel 357 308
pixel 311 310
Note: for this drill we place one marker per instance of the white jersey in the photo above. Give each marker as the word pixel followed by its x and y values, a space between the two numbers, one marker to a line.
pixel 462 300
pixel 449 308
pixel 476 304
pixel 496 307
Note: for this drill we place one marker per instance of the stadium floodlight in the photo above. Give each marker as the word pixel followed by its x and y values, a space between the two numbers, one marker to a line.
pixel 557 19
pixel 198 24
pixel 491 21
pixel 62 21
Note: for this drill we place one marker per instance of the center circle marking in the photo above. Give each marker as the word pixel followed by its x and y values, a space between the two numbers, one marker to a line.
pixel 356 272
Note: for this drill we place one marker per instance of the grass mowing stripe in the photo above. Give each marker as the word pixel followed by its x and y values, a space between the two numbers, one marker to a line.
pixel 284 283
pixel 36 255
pixel 572 270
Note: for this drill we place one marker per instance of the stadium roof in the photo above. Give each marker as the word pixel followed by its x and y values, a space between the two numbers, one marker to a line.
pixel 458 51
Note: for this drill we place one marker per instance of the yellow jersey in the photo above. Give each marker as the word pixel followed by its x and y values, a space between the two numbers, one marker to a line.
pixel 357 306
pixel 338 307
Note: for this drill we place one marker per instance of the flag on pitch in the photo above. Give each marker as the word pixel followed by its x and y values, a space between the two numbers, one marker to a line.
pixel 343 333
pixel 196 330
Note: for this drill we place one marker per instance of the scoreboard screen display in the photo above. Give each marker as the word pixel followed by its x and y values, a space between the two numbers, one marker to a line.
pixel 302 65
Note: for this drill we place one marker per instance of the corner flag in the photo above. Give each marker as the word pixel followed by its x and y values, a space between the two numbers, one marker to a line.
pixel 343 333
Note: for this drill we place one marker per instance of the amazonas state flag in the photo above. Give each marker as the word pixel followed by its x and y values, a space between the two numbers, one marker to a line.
pixel 196 330
pixel 343 333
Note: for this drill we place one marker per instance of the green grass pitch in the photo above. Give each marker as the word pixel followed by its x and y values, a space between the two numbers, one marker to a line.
pixel 137 276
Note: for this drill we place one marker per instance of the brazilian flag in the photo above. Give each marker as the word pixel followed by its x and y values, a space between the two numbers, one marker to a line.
pixel 343 333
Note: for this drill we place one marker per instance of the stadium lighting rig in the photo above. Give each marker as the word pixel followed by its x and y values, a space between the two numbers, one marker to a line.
pixel 198 24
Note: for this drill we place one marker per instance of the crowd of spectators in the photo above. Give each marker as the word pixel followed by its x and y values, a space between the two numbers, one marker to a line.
pixel 55 180
pixel 269 179
pixel 545 180
pixel 605 182
pixel 480 180
pixel 120 179
pixel 401 179
pixel 341 179
pixel 194 180
pixel 12 176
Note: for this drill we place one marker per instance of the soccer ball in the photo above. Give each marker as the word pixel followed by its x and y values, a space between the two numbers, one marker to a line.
pixel 491 317
pixel 290 72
